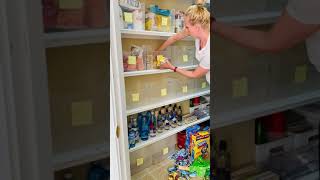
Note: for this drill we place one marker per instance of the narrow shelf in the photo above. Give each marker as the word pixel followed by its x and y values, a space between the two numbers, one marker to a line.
pixel 138 34
pixel 77 37
pixel 166 133
pixel 154 71
pixel 80 156
pixel 166 102
pixel 251 19
pixel 248 113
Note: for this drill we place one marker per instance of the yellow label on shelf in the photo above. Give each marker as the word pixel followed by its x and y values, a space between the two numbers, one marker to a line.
pixel 70 4
pixel 81 113
pixel 139 161
pixel 244 86
pixel 128 17
pixel 135 97
pixel 236 88
pixel 240 87
pixel 164 92
pixel 184 89
pixel 164 21
pixel 203 85
pixel 132 60
pixel 165 151
pixel 185 58
pixel 300 74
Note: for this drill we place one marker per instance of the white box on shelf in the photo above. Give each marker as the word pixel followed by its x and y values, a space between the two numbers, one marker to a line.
pixel 303 139
pixel 263 150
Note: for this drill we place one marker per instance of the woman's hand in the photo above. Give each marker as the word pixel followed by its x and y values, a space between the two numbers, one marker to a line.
pixel 167 65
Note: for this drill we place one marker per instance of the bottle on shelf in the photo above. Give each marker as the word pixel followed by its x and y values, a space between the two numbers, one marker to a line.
pixel 171 117
pixel 223 162
pixel 179 116
pixel 133 134
pixel 161 119
pixel 145 126
pixel 167 121
pixel 153 125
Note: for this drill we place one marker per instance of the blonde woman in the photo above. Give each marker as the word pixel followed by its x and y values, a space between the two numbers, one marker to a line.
pixel 197 25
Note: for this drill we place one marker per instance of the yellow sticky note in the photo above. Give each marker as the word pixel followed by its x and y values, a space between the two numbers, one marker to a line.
pixel 236 88
pixel 244 86
pixel 164 92
pixel 139 161
pixel 128 17
pixel 203 85
pixel 135 97
pixel 70 4
pixel 81 113
pixel 164 21
pixel 300 74
pixel 240 87
pixel 132 60
pixel 185 58
pixel 165 151
pixel 160 59
pixel 184 89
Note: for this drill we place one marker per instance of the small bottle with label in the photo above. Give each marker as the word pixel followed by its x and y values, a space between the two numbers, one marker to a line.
pixel 161 119
pixel 153 125
pixel 145 126
pixel 167 121
pixel 179 116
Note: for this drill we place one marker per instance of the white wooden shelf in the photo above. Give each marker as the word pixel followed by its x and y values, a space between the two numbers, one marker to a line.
pixel 80 156
pixel 77 37
pixel 155 71
pixel 138 34
pixel 249 113
pixel 166 102
pixel 251 19
pixel 165 134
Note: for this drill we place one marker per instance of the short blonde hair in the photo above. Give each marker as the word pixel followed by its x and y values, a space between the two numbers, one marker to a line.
pixel 198 14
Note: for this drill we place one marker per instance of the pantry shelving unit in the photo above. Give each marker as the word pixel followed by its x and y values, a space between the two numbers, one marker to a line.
pixel 274 90
pixel 120 77
pixel 87 153
pixel 276 104
pixel 62 39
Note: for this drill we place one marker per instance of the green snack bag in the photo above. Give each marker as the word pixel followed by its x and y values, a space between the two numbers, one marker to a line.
pixel 201 167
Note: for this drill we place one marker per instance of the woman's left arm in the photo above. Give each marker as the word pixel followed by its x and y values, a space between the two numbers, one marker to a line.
pixel 285 33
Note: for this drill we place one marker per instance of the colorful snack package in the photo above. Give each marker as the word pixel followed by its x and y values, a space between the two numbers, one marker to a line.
pixel 200 145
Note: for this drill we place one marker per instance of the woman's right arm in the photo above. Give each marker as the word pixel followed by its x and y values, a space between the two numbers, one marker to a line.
pixel 173 39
